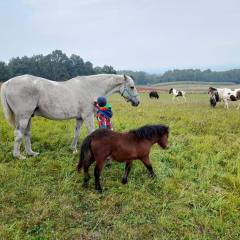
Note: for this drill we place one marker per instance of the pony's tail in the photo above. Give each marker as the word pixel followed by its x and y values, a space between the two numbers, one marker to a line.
pixel 9 115
pixel 86 153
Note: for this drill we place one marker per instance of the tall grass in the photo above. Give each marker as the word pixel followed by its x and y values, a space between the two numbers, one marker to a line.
pixel 196 194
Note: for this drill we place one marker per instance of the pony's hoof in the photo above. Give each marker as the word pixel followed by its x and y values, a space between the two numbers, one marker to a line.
pixel 152 175
pixel 99 190
pixel 85 185
pixel 124 181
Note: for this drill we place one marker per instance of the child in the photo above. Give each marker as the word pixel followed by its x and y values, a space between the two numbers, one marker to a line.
pixel 104 113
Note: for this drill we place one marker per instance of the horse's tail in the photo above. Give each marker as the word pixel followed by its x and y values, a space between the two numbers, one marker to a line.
pixel 86 153
pixel 9 114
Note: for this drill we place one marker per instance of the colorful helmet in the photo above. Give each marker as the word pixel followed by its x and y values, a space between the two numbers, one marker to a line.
pixel 102 101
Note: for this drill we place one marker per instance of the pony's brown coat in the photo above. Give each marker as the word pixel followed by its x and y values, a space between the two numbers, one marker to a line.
pixel 121 147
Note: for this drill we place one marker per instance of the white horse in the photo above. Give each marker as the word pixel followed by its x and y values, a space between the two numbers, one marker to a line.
pixel 225 95
pixel 177 94
pixel 25 96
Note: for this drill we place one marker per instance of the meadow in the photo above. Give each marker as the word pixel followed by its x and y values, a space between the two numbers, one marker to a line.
pixel 196 194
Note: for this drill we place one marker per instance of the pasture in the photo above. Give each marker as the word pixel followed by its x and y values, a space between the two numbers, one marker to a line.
pixel 196 194
pixel 189 86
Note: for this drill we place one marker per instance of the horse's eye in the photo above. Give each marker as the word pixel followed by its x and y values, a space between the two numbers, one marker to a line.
pixel 132 87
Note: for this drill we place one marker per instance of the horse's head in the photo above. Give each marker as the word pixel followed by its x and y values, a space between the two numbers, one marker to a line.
pixel 171 90
pixel 129 91
pixel 211 90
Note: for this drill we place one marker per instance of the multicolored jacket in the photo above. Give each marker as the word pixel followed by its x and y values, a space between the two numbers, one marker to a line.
pixel 104 115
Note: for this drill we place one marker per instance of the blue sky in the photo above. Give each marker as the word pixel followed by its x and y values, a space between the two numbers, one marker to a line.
pixel 152 35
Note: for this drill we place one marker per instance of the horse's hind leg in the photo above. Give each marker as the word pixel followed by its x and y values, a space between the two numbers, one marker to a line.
pixel 76 134
pixel 127 170
pixel 19 132
pixel 27 136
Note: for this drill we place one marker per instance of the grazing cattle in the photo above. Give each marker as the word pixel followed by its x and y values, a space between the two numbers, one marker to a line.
pixel 177 94
pixel 25 96
pixel 121 147
pixel 223 94
pixel 153 94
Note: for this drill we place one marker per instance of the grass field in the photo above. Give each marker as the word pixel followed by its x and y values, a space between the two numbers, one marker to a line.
pixel 196 194
pixel 189 86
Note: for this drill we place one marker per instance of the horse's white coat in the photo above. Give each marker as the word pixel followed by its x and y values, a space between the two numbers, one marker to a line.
pixel 225 94
pixel 175 94
pixel 27 95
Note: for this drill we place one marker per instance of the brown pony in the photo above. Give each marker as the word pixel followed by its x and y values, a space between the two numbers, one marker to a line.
pixel 121 147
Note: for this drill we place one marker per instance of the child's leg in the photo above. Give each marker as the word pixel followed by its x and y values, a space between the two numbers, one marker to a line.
pixel 101 121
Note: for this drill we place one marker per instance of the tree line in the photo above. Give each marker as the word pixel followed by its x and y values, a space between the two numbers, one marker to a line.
pixel 143 78
pixel 55 66
pixel 58 66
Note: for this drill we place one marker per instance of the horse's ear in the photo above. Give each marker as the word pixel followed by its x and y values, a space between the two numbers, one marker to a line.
pixel 125 77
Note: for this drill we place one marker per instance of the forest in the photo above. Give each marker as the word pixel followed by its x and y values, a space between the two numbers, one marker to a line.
pixel 59 67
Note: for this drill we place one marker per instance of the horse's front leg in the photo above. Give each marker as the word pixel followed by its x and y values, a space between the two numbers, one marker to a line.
pixel 148 165
pixel 225 103
pixel 238 105
pixel 127 170
pixel 89 121
pixel 76 134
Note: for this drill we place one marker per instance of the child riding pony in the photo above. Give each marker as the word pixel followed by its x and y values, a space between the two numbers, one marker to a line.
pixel 121 147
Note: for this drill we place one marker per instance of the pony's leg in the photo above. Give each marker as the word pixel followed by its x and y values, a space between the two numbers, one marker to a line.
pixel 173 98
pixel 76 134
pixel 27 136
pixel 89 121
pixel 86 177
pixel 184 98
pixel 19 134
pixel 97 174
pixel 148 165
pixel 127 170
pixel 86 173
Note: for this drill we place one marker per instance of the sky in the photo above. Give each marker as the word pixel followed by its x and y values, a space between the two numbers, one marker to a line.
pixel 148 35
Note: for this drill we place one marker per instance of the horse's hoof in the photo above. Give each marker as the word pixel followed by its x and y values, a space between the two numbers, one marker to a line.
pixel 85 185
pixel 75 151
pixel 33 154
pixel 124 181
pixel 20 157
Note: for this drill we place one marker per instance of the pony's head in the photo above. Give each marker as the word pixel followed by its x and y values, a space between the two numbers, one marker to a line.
pixel 171 90
pixel 158 133
pixel 129 91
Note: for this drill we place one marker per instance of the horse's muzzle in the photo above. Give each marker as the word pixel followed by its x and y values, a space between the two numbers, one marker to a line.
pixel 135 103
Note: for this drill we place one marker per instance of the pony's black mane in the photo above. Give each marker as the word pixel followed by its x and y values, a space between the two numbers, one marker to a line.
pixel 150 131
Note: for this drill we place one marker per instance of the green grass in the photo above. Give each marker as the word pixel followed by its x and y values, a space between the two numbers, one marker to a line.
pixel 196 194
